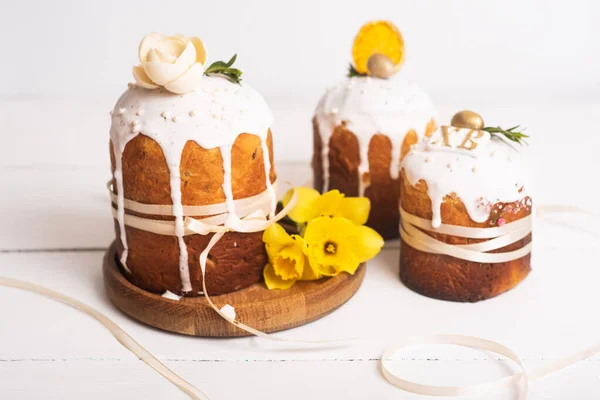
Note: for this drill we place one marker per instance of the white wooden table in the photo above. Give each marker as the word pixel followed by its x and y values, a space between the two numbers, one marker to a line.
pixel 55 225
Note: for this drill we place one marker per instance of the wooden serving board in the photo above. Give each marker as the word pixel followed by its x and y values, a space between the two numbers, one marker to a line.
pixel 256 306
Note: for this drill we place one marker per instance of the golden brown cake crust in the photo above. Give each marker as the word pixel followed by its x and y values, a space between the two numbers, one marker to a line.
pixel 344 160
pixel 237 260
pixel 448 278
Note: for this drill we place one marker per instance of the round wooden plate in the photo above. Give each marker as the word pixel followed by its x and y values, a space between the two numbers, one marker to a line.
pixel 256 306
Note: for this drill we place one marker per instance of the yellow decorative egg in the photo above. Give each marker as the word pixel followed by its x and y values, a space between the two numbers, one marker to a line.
pixel 467 119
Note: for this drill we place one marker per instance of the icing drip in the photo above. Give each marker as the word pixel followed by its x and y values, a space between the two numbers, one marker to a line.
pixel 497 173
pixel 121 210
pixel 233 221
pixel 270 189
pixel 173 161
pixel 369 106
pixel 212 116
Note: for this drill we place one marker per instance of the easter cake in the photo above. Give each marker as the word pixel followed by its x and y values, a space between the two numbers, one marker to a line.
pixel 466 212
pixel 364 126
pixel 191 155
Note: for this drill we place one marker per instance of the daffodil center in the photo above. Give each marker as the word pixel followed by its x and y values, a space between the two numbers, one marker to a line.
pixel 330 248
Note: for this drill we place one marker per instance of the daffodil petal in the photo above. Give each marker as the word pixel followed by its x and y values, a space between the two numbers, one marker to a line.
pixel 188 81
pixel 289 262
pixel 326 270
pixel 366 244
pixel 328 203
pixel 273 281
pixel 309 274
pixel 276 236
pixel 150 41
pixel 303 211
pixel 356 209
pixel 346 259
pixel 141 78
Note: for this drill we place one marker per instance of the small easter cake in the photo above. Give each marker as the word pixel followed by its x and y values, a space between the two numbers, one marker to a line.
pixel 191 154
pixel 364 126
pixel 466 212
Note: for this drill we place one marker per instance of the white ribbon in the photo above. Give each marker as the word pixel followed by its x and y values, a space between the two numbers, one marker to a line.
pixel 466 341
pixel 483 388
pixel 242 206
pixel 500 236
pixel 253 220
pixel 228 314
pixel 127 341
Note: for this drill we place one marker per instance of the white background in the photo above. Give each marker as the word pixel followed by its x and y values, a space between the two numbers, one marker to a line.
pixel 63 65
pixel 466 54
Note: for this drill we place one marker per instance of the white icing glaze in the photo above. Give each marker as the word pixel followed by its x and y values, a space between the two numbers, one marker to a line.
pixel 369 106
pixel 171 295
pixel 497 172
pixel 212 116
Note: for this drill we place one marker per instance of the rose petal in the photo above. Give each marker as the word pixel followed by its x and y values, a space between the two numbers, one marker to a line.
pixel 165 57
pixel 152 56
pixel 188 81
pixel 163 73
pixel 150 41
pixel 142 79
pixel 188 56
pixel 200 49
pixel 174 45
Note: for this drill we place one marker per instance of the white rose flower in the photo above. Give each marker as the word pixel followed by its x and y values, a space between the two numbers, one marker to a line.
pixel 174 62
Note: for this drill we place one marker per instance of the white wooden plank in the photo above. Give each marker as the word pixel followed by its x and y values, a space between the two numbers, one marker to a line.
pixel 360 379
pixel 541 318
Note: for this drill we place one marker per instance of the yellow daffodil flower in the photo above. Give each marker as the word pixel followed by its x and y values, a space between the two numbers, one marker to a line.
pixel 311 204
pixel 336 244
pixel 287 259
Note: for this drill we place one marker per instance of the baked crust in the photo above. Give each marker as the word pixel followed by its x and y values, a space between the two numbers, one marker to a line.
pixel 344 160
pixel 237 260
pixel 448 278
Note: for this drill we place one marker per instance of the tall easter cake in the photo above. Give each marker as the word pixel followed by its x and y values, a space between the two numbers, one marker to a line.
pixel 191 154
pixel 365 125
pixel 466 212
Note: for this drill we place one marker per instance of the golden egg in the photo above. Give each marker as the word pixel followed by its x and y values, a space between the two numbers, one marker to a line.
pixel 467 119
pixel 380 66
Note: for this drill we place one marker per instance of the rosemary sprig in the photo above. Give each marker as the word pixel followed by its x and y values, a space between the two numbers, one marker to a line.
pixel 224 68
pixel 352 72
pixel 510 134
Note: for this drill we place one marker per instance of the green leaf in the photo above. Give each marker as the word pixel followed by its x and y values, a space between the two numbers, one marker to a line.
pixel 352 72
pixel 224 69
pixel 510 134
pixel 230 63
